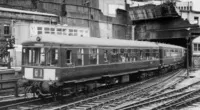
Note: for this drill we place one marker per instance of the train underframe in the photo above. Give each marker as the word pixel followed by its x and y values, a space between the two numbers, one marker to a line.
pixel 43 88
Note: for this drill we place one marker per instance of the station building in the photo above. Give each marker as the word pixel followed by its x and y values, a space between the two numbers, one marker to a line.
pixel 196 52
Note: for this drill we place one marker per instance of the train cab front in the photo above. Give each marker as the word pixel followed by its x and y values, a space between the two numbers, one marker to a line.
pixel 40 69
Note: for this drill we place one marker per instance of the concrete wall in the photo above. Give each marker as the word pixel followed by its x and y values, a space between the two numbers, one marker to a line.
pixel 108 7
pixel 171 28
pixel 106 30
pixel 99 24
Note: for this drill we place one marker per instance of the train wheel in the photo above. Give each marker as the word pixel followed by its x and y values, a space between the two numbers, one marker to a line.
pixel 27 89
pixel 143 76
pixel 162 71
pixel 151 74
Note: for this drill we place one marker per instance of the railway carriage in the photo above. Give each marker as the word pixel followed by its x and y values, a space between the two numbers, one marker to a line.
pixel 51 62
pixel 171 56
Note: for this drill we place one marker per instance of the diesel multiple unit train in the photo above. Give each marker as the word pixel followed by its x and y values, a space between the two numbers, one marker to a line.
pixel 52 63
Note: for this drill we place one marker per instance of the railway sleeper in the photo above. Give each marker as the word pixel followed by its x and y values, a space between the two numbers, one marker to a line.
pixel 173 103
pixel 187 102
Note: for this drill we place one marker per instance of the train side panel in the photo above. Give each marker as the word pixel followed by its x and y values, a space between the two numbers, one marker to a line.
pixel 85 72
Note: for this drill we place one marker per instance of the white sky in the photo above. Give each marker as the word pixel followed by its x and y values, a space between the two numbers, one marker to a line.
pixel 196 4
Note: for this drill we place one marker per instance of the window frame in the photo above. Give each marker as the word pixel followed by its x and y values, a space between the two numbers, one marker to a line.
pixel 68 59
pixel 59 31
pixel 93 55
pixel 195 47
pixel 46 30
pixel 6 29
pixel 39 30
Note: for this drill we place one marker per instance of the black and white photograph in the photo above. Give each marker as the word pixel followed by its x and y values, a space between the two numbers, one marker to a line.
pixel 99 54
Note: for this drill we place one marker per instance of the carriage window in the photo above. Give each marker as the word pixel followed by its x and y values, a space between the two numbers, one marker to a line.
pixel 80 57
pixel 167 53
pixel 39 30
pixel 52 30
pixel 176 52
pixel 46 30
pixel 164 53
pixel 36 56
pixel 150 54
pixel 59 31
pixel 40 56
pixel 54 56
pixel 105 56
pixel 122 56
pixel 51 56
pixel 25 56
pixel 147 54
pixel 129 55
pixel 114 55
pixel 155 54
pixel 93 56
pixel 126 55
pixel 30 57
pixel 142 54
pixel 172 52
pixel 68 56
pixel 133 55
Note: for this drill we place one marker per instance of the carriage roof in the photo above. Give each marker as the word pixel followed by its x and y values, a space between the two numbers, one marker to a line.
pixel 91 41
pixel 169 46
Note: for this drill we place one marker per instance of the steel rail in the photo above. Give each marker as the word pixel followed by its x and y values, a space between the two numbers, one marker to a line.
pixel 104 99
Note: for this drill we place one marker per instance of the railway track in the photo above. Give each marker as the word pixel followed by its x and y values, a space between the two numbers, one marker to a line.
pixel 174 99
pixel 9 102
pixel 106 100
pixel 120 96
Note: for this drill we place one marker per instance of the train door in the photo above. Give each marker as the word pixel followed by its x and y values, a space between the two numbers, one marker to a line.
pixel 161 56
